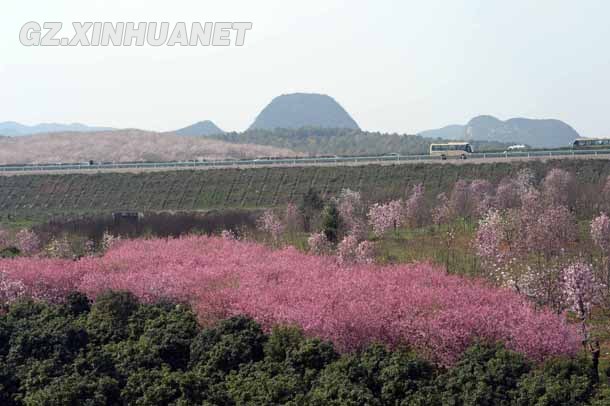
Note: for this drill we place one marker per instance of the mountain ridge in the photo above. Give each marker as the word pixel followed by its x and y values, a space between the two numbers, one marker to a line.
pixel 537 133
pixel 13 128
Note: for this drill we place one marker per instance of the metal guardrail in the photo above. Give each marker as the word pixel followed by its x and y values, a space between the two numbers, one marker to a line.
pixel 293 161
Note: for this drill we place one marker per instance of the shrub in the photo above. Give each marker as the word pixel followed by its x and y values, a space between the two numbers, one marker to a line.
pixel 225 347
pixel 109 316
pixel 485 375
pixel 562 381
pixel 46 359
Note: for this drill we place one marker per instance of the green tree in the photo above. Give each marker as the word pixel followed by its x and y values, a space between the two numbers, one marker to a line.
pixel 331 222
pixel 562 381
pixel 485 375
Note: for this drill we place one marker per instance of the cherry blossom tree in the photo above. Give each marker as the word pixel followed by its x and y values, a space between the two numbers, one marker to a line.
pixel 89 247
pixel 228 235
pixel 490 246
pixel 270 223
pixel 508 195
pixel 319 244
pixel 559 187
pixel 550 232
pixel 416 305
pixel 351 251
pixel 507 243
pixel 383 217
pixel 350 206
pixel 415 208
pixel 28 242
pixel 292 218
pixel 459 200
pixel 525 180
pixel 600 233
pixel 353 213
pixel 481 197
pixel 581 290
pixel 442 212
pixel 10 290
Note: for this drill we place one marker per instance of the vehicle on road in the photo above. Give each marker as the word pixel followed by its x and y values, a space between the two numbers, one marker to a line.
pixel 451 149
pixel 589 143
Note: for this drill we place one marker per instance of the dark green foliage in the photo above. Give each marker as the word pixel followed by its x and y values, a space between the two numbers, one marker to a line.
pixel 76 390
pixel 9 252
pixel 331 222
pixel 484 376
pixel 559 382
pixel 78 303
pixel 109 317
pixel 265 383
pixel 233 342
pixel 9 385
pixel 164 387
pixel 118 352
pixel 375 376
pixel 310 207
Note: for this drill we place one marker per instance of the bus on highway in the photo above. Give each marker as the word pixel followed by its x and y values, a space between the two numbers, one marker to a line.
pixel 451 149
pixel 586 143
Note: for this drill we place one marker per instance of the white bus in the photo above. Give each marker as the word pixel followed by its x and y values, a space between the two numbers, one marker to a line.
pixel 451 149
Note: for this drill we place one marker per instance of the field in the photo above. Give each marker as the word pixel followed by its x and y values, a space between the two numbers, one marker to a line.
pixel 36 197
pixel 488 273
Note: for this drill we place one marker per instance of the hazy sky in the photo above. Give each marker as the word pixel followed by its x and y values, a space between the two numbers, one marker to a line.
pixel 396 66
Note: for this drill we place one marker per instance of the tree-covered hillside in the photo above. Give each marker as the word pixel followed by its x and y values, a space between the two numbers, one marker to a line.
pixel 343 141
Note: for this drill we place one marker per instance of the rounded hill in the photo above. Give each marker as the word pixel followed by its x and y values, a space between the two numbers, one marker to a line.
pixel 299 110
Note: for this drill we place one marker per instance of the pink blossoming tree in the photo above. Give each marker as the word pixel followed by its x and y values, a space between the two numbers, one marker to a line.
pixel 559 187
pixel 319 244
pixel 600 233
pixel 415 207
pixel 352 212
pixel 292 218
pixel 383 217
pixel 271 224
pixel 28 242
pixel 581 290
pixel 351 251
pixel 416 305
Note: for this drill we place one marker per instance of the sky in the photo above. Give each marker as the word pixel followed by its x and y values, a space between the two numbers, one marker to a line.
pixel 395 65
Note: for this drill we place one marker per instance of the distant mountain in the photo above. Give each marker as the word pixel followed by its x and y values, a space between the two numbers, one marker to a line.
pixel 201 128
pixel 300 110
pixel 450 132
pixel 12 128
pixel 547 133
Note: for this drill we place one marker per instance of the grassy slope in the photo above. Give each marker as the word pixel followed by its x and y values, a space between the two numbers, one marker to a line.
pixel 33 196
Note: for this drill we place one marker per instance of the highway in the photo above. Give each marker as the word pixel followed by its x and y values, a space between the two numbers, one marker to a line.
pixel 297 162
